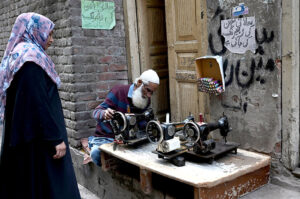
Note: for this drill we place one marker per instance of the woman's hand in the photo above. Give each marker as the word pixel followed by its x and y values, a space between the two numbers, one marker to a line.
pixel 60 150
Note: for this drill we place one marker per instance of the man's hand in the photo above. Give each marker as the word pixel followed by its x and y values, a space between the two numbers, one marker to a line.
pixel 108 114
pixel 60 150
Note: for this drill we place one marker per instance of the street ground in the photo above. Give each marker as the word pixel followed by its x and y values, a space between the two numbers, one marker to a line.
pixel 269 191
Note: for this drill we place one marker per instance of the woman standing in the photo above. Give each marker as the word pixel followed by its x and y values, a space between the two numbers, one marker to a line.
pixel 35 160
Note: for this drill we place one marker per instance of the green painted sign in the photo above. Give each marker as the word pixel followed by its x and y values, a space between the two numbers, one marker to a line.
pixel 98 14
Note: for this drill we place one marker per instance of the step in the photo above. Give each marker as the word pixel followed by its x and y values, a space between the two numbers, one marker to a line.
pixel 85 193
pixel 296 172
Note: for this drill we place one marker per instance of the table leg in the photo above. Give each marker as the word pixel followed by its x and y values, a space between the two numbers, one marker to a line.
pixel 105 164
pixel 146 180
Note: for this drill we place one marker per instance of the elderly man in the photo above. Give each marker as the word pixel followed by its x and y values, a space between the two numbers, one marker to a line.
pixel 134 98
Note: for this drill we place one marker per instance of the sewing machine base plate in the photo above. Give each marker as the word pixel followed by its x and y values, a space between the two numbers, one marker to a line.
pixel 135 141
pixel 220 150
pixel 140 137
pixel 170 155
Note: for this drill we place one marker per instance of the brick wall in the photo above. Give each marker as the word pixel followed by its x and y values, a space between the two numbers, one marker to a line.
pixel 89 62
pixel 98 63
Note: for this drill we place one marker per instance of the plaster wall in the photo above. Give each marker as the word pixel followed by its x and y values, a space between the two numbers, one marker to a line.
pixel 252 98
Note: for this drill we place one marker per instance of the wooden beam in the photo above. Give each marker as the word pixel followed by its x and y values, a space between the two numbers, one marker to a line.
pixel 290 84
pixel 131 28
pixel 104 163
pixel 236 187
pixel 146 180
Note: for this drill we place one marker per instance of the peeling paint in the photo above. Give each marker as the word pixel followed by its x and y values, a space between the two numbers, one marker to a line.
pixel 221 2
pixel 268 1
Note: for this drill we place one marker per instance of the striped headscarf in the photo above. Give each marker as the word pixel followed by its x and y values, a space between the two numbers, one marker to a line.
pixel 27 42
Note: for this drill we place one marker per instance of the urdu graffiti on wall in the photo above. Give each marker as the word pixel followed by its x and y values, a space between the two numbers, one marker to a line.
pixel 239 34
pixel 235 68
pixel 243 73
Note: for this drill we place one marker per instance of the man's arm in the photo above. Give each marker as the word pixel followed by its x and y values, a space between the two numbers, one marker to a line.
pixel 99 111
pixel 106 109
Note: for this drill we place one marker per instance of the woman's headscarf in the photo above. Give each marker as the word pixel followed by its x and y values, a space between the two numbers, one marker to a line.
pixel 26 43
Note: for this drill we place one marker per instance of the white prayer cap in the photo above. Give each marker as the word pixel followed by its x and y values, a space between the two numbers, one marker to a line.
pixel 148 76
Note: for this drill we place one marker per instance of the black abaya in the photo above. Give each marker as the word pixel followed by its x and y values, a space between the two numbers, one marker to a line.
pixel 33 126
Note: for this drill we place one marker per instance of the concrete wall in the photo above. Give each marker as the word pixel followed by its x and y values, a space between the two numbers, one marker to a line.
pixel 89 62
pixel 251 78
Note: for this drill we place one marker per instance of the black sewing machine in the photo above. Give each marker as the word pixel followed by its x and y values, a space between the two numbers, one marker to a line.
pixel 169 146
pixel 126 127
pixel 192 138
pixel 205 148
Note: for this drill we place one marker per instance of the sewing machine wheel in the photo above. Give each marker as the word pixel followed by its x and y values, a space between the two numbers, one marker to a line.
pixel 191 132
pixel 154 131
pixel 119 121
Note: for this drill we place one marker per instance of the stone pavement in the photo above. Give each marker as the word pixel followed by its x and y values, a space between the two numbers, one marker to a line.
pixel 269 191
pixel 86 194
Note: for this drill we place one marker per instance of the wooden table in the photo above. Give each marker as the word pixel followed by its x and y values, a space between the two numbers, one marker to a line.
pixel 229 177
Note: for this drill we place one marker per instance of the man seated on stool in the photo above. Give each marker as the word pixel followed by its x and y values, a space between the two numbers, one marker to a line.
pixel 134 98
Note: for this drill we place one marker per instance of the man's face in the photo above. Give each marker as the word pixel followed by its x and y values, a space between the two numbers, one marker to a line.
pixel 148 89
pixel 142 94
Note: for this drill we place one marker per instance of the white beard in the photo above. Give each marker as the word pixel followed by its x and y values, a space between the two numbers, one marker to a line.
pixel 138 100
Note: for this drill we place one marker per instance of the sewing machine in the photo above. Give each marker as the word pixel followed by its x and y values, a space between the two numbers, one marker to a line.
pixel 207 148
pixel 126 126
pixel 204 145
pixel 192 138
pixel 169 146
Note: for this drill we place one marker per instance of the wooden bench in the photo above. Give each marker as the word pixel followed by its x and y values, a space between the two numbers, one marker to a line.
pixel 228 177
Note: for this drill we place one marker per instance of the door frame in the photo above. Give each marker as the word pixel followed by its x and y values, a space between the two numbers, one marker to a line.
pixel 133 48
pixel 290 84
pixel 132 39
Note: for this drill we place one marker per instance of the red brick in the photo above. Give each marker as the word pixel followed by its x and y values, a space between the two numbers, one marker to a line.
pixel 114 67
pixel 102 68
pixel 113 83
pixel 102 94
pixel 85 97
pixel 113 76
pixel 106 59
pixel 102 86
pixel 93 105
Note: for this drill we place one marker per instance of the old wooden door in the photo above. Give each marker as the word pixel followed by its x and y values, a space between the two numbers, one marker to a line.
pixel 186 36
pixel 153 49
